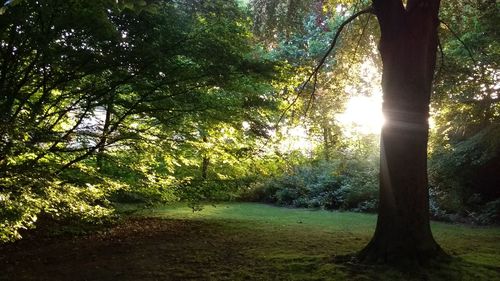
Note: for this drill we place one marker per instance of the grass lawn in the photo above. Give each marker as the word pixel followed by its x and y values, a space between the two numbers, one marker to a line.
pixel 298 244
pixel 243 241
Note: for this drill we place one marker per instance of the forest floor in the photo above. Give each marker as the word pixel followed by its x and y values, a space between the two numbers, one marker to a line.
pixel 240 241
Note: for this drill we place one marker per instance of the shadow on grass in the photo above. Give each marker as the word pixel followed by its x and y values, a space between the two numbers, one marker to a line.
pixel 271 244
pixel 449 268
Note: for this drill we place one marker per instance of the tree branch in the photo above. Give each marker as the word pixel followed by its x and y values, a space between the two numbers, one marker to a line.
pixel 441 64
pixel 368 10
pixel 459 40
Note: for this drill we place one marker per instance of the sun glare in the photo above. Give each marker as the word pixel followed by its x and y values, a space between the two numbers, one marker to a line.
pixel 297 139
pixel 363 111
pixel 362 115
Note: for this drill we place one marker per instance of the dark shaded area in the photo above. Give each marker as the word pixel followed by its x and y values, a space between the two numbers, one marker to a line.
pixel 161 249
pixel 487 181
pixel 138 249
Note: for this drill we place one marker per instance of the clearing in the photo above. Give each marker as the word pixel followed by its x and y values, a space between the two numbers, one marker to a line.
pixel 239 241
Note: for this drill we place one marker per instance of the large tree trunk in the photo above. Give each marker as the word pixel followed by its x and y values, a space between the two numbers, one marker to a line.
pixel 408 49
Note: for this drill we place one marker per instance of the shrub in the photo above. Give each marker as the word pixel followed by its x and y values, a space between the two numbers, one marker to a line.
pixel 349 185
pixel 488 214
pixel 20 208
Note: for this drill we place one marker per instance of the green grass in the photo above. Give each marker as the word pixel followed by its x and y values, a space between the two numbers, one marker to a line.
pixel 272 243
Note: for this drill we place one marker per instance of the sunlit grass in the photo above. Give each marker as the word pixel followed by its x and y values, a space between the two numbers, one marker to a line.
pixel 298 244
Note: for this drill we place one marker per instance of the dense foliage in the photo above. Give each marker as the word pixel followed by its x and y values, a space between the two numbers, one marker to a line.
pixel 351 185
pixel 97 99
pixel 465 156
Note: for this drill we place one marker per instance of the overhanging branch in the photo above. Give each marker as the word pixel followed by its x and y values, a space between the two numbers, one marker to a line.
pixel 316 70
pixel 353 55
pixel 368 10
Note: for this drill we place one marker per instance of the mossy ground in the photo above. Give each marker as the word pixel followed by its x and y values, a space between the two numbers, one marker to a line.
pixel 242 241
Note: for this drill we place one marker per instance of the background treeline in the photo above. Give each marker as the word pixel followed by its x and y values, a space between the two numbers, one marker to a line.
pixel 105 102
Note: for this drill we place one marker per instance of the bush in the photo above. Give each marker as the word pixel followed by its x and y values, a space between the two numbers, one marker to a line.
pixel 488 214
pixel 20 208
pixel 350 185
pixel 464 176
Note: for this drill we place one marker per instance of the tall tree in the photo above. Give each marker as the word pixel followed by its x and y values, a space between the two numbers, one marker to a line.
pixel 79 77
pixel 408 46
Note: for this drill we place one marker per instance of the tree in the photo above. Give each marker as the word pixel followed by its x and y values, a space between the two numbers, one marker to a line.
pixel 464 142
pixel 408 47
pixel 83 83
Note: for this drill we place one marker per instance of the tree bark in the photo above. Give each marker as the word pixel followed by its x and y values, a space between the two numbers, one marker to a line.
pixel 205 161
pixel 101 150
pixel 408 48
pixel 326 142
